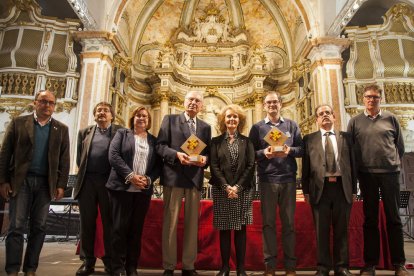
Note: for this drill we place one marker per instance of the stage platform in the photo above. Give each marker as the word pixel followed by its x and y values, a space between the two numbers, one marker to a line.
pixel 58 258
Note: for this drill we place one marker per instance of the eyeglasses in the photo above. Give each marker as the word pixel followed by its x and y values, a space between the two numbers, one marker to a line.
pixel 106 110
pixel 369 97
pixel 272 102
pixel 141 116
pixel 44 102
pixel 191 99
pixel 327 112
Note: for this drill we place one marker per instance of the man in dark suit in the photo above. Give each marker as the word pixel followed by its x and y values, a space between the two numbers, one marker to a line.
pixel 90 191
pixel 329 185
pixel 34 168
pixel 182 178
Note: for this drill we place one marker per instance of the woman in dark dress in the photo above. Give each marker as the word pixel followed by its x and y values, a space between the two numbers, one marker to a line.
pixel 232 170
pixel 135 166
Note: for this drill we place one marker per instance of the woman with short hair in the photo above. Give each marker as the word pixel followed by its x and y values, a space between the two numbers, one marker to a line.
pixel 135 167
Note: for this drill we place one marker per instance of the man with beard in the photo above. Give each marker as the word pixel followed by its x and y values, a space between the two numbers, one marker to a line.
pixel 90 190
pixel 329 186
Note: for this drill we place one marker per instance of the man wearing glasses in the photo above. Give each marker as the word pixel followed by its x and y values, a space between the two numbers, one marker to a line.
pixel 90 191
pixel 329 186
pixel 379 148
pixel 182 178
pixel 277 179
pixel 34 168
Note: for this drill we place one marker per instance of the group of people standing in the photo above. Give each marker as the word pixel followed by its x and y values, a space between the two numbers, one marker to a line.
pixel 34 165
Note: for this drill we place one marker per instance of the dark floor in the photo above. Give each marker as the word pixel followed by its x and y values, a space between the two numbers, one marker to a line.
pixel 58 258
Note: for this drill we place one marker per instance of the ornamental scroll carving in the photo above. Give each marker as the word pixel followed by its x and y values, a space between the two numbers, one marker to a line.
pixel 212 28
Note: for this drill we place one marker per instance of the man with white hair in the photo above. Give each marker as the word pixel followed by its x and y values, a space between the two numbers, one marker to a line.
pixel 182 178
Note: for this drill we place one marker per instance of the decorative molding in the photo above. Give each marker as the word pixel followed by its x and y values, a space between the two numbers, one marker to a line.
pixel 251 100
pixel 99 38
pixel 173 99
pixel 344 16
pixel 81 9
pixel 325 48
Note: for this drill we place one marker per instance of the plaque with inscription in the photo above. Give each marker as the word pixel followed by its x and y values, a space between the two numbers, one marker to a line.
pixel 212 62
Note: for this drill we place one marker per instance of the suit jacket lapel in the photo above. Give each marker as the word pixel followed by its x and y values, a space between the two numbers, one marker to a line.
pixel 319 147
pixel 150 150
pixel 339 141
pixel 224 148
pixel 242 152
pixel 88 139
pixel 30 128
pixel 199 131
pixel 114 129
pixel 53 137
pixel 130 141
pixel 185 129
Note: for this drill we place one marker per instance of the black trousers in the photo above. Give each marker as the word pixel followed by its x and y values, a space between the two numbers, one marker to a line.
pixel 92 195
pixel 128 214
pixel 332 210
pixel 370 183
pixel 239 244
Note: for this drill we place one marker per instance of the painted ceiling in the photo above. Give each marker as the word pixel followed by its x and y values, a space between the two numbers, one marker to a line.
pixel 268 23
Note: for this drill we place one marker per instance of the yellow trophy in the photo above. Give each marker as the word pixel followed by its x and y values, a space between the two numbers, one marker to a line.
pixel 193 146
pixel 276 138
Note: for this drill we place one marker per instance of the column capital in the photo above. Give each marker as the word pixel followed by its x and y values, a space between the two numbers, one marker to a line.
pixel 96 43
pixel 324 48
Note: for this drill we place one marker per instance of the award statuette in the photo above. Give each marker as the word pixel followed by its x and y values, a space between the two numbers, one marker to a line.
pixel 193 146
pixel 276 139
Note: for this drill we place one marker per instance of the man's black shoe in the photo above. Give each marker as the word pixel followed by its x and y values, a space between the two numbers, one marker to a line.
pixel 132 272
pixel 168 272
pixel 343 272
pixel 321 272
pixel 191 272
pixel 367 271
pixel 119 273
pixel 85 270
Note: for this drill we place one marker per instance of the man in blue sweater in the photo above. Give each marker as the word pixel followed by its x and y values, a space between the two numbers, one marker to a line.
pixel 277 179
pixel 379 148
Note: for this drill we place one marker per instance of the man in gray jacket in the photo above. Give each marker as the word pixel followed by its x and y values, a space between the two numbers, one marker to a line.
pixel 90 190
pixel 379 148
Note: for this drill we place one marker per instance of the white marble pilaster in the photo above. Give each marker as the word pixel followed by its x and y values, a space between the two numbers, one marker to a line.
pixel 326 72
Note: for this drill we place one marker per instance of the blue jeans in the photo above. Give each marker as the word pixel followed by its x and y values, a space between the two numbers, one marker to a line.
pixel 32 201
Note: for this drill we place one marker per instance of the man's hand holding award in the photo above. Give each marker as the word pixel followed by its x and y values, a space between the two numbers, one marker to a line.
pixel 193 146
pixel 276 139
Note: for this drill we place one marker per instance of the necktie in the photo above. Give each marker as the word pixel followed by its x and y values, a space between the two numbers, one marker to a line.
pixel 192 126
pixel 329 154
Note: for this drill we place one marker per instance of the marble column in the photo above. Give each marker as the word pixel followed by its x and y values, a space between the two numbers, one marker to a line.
pixel 96 73
pixel 326 76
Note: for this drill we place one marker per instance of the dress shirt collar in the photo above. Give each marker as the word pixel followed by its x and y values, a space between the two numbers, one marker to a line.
pixel 373 117
pixel 103 130
pixel 36 120
pixel 267 121
pixel 325 131
pixel 187 119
